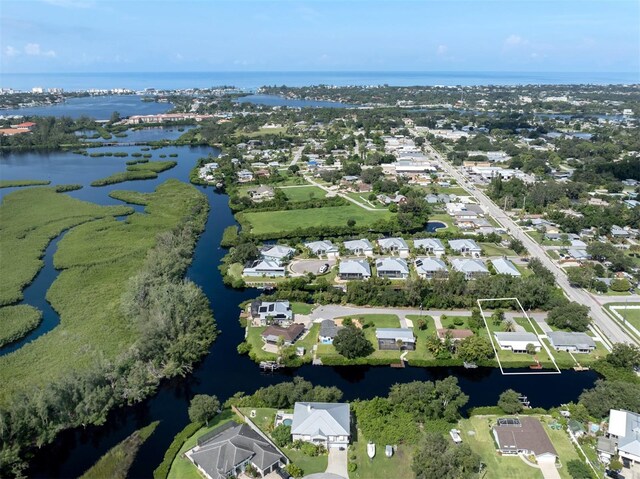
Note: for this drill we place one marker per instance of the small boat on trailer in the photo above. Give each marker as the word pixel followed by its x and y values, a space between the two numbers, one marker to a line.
pixel 371 450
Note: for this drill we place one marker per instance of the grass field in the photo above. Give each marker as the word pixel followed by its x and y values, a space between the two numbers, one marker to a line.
pixel 13 183
pixel 16 321
pixel 492 249
pixel 303 193
pixel 29 220
pixel 302 308
pixel 632 316
pixel 116 462
pixel 266 222
pixel 139 171
pixel 97 259
pixel 381 466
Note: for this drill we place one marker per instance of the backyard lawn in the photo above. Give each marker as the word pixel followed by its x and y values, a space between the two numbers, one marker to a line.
pixel 381 466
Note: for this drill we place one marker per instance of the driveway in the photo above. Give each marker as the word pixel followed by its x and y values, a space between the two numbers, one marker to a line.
pixel 337 462
pixel 549 469
pixel 304 266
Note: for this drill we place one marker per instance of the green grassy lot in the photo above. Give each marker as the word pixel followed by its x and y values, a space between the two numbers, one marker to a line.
pixel 13 183
pixel 381 466
pixel 265 222
pixel 183 468
pixel 96 259
pixel 632 316
pixel 17 321
pixel 364 199
pixel 448 322
pixel 30 219
pixel 116 462
pixel 492 249
pixel 263 132
pixel 140 171
pixel 254 338
pixel 302 308
pixel 303 193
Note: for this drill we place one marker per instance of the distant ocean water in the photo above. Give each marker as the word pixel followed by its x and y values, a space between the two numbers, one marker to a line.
pixel 252 80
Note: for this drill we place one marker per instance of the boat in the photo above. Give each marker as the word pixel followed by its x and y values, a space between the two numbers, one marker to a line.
pixel 269 365
pixel 468 365
pixel 371 450
pixel 388 450
pixel 537 364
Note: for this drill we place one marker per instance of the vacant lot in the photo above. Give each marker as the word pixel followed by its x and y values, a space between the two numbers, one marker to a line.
pixel 303 193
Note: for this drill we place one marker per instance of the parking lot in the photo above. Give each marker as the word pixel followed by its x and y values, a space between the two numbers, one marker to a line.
pixel 304 266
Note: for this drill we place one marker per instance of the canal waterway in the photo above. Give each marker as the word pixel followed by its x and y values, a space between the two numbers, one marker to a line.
pixel 223 371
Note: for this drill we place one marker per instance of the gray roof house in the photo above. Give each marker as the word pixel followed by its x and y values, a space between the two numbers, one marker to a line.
pixel 516 341
pixel 271 269
pixel 394 245
pixel 472 268
pixel 324 247
pixel 354 269
pixel 278 253
pixel 261 193
pixel 430 245
pixel 618 232
pixel 504 266
pixel 429 268
pixel 328 331
pixel 579 254
pixel 392 268
pixel 574 342
pixel 278 311
pixel 465 246
pixel 229 452
pixel 624 426
pixel 361 246
pixel 396 338
pixel 328 424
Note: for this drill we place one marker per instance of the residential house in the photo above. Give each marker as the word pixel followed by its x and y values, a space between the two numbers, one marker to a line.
pixel 359 247
pixel 394 245
pixel 328 331
pixel 277 253
pixel 396 338
pixel 504 266
pixel 429 268
pixel 465 247
pixel 289 334
pixel 328 424
pixel 323 248
pixel 524 435
pixel 571 341
pixel 354 269
pixel 260 267
pixel 624 427
pixel 392 268
pixel 430 245
pixel 233 447
pixel 618 232
pixel 472 268
pixel 396 198
pixel 579 254
pixel 261 193
pixel 453 334
pixel 271 311
pixel 517 341
pixel 244 176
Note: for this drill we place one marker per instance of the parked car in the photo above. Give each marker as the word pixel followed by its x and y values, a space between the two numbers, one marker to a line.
pixel 324 268
pixel 614 474
pixel 283 474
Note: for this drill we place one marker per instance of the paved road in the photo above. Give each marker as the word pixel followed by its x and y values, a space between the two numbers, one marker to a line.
pixel 607 325
pixel 297 154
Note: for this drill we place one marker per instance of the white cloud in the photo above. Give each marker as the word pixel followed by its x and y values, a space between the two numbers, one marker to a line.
pixel 442 50
pixel 514 40
pixel 34 49
pixel 10 51
pixel 71 3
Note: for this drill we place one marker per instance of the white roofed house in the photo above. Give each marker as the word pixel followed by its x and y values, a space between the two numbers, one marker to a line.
pixel 504 266
pixel 429 268
pixel 516 341
pixel 624 427
pixel 392 268
pixel 278 253
pixel 328 424
pixel 271 311
pixel 570 341
pixel 465 246
pixel 323 248
pixel 354 269
pixel 359 247
pixel 261 193
pixel 264 268
pixel 394 245
pixel 472 268
pixel 430 245
pixel 396 338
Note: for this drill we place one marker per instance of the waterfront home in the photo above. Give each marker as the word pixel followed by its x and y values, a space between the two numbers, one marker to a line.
pixel 260 267
pixel 571 341
pixel 359 247
pixel 354 269
pixel 323 248
pixel 624 428
pixel 244 176
pixel 429 268
pixel 517 341
pixel 465 246
pixel 268 312
pixel 278 253
pixel 504 266
pixel 328 331
pixel 395 338
pixel 524 435
pixel 392 268
pixel 233 447
pixel 472 268
pixel 394 245
pixel 261 193
pixel 327 424
pixel 430 245
pixel 289 334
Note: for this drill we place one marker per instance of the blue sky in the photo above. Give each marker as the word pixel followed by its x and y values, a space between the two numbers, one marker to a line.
pixel 201 35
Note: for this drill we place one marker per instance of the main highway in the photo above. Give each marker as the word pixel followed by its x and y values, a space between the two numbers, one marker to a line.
pixel 607 326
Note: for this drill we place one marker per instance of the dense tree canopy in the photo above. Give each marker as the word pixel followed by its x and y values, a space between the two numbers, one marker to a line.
pixel 608 395
pixel 352 343
pixel 437 458
pixel 571 316
pixel 203 408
